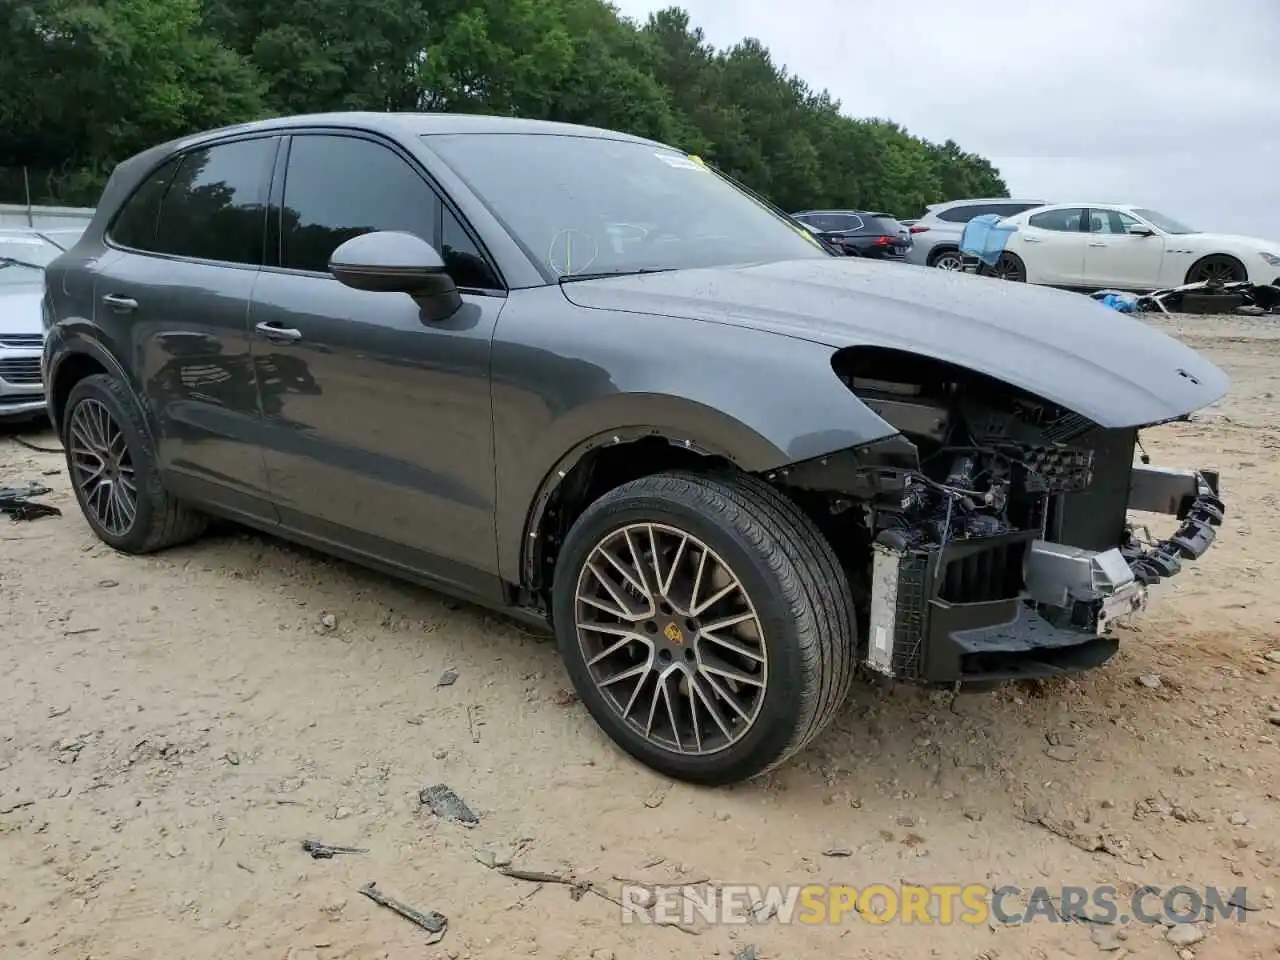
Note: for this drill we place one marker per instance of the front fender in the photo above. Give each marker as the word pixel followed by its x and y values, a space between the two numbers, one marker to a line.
pixel 560 389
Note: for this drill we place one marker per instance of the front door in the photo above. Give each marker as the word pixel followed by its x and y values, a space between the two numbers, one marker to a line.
pixel 379 432
pixel 1115 257
pixel 1052 246
pixel 174 294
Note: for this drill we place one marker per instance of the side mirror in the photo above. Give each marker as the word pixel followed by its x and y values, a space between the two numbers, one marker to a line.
pixel 392 262
pixel 1138 230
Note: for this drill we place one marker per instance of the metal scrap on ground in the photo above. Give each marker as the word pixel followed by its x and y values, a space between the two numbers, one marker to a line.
pixel 434 922
pixel 446 804
pixel 1204 297
pixel 18 504
pixel 325 851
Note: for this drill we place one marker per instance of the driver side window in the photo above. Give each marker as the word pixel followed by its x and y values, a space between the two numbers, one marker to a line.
pixel 338 187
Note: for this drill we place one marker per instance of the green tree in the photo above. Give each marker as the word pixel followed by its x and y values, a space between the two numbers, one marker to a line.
pixel 89 82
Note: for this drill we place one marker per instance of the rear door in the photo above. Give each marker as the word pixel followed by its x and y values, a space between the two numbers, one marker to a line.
pixel 1052 246
pixel 378 425
pixel 173 297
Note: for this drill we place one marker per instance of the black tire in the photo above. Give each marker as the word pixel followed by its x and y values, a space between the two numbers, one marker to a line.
pixel 794 581
pixel 159 520
pixel 1011 268
pixel 940 258
pixel 1217 266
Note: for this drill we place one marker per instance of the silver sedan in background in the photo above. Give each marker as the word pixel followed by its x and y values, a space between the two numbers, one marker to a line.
pixel 24 253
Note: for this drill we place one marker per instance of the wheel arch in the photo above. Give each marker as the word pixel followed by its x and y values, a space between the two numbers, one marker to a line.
pixel 78 353
pixel 677 433
pixel 938 249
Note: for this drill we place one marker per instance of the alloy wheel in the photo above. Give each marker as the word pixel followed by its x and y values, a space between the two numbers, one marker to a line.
pixel 949 262
pixel 1215 271
pixel 102 468
pixel 1007 268
pixel 671 638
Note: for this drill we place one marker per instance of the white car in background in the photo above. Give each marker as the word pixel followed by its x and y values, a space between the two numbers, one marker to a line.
pixel 1097 245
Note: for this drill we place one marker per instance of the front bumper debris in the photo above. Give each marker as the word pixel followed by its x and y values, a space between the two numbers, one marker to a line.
pixel 1030 607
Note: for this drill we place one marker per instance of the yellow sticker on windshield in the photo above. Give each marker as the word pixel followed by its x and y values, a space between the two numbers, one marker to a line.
pixel 679 162
pixel 698 160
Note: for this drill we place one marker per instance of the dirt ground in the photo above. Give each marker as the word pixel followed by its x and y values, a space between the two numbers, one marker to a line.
pixel 171 728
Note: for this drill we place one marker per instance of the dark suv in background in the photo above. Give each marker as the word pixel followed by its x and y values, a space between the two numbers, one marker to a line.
pixel 936 234
pixel 857 233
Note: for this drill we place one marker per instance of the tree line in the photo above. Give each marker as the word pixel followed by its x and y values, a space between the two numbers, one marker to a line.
pixel 86 83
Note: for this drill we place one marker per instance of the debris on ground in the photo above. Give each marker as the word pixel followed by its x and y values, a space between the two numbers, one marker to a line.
pixel 434 922
pixel 1207 296
pixel 579 888
pixel 18 503
pixel 447 805
pixel 448 678
pixel 325 851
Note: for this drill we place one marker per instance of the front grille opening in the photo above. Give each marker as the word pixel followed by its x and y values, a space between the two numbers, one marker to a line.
pixel 985 576
pixel 20 370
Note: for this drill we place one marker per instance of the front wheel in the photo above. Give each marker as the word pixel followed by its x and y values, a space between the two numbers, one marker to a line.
pixel 706 623
pixel 1215 269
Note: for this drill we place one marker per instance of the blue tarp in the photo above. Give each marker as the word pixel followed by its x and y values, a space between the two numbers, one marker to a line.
pixel 983 239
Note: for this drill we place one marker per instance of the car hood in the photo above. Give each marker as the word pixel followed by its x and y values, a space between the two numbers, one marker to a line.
pixel 1231 240
pixel 20 308
pixel 1063 347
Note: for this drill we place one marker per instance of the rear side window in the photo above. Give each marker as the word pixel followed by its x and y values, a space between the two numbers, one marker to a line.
pixel 965 212
pixel 135 224
pixel 215 208
pixel 884 225
pixel 1066 220
pixel 1012 209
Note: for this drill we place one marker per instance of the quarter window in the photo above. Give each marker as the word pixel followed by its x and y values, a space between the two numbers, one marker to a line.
pixel 463 259
pixel 135 224
pixel 215 208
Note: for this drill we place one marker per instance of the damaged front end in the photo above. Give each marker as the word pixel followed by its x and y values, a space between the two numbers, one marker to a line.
pixel 993 531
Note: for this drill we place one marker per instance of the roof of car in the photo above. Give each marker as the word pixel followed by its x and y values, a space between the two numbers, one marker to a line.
pixel 968 200
pixel 418 124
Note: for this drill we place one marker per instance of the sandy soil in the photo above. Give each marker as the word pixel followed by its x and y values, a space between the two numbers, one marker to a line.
pixel 172 727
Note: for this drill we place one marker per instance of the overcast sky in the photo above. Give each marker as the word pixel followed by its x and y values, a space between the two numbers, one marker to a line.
pixel 1171 104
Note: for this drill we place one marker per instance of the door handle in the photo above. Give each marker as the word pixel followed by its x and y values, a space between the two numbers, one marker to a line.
pixel 1027 238
pixel 1096 243
pixel 120 304
pixel 279 334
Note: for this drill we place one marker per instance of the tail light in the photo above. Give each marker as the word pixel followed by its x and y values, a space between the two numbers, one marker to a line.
pixel 916 229
pixel 884 241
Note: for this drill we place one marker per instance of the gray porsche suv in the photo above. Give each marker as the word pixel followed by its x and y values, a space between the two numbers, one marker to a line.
pixel 585 379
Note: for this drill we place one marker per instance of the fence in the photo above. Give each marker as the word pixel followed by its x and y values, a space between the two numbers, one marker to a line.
pixel 43 217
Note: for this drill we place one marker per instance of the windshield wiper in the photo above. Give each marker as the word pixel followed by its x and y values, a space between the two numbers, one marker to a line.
pixel 12 262
pixel 605 274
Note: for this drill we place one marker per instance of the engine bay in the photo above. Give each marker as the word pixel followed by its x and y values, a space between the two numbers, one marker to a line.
pixel 994 529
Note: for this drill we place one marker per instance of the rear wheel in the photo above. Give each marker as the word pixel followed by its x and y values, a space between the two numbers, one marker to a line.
pixel 113 471
pixel 1218 268
pixel 1010 267
pixel 948 260
pixel 706 624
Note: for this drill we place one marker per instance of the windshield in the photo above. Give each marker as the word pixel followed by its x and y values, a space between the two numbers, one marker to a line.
pixel 1167 224
pixel 24 255
pixel 583 205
